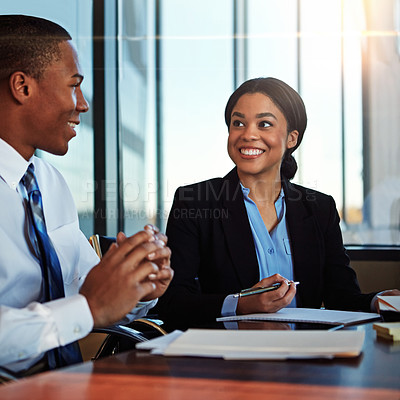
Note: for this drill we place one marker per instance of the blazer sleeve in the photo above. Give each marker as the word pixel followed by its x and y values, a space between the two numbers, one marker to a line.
pixel 341 289
pixel 184 303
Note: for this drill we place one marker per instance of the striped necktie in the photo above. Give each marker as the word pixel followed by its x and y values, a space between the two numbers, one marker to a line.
pixel 52 282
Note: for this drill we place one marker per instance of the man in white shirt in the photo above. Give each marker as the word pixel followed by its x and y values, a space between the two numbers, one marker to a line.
pixel 40 104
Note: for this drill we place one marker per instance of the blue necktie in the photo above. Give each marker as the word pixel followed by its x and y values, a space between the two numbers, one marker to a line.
pixel 52 282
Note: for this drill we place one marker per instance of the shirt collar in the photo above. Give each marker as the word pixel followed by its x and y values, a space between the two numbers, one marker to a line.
pixel 12 165
pixel 246 192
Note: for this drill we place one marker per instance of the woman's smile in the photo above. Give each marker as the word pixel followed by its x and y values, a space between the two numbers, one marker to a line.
pixel 251 152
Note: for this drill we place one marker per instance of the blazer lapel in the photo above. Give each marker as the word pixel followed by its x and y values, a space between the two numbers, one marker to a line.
pixel 239 237
pixel 305 240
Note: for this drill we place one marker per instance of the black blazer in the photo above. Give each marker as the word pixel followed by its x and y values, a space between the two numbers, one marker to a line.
pixel 213 253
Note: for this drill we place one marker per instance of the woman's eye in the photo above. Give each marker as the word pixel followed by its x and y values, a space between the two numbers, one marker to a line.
pixel 264 124
pixel 237 123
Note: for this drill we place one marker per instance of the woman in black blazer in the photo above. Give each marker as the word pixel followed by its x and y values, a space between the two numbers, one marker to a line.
pixel 213 238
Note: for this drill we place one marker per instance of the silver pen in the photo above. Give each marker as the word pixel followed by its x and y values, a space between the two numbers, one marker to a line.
pixel 260 289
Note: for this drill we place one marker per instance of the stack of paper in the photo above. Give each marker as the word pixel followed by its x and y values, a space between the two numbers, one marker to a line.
pixel 388 330
pixel 259 344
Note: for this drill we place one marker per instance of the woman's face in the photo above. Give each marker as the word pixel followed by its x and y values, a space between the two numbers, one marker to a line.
pixel 258 136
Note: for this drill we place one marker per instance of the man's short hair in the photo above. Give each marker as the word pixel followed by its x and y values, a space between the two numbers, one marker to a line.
pixel 29 44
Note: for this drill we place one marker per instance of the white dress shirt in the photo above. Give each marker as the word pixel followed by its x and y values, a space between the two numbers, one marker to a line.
pixel 28 328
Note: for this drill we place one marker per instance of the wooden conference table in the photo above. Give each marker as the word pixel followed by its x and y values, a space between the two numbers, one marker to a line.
pixel 375 374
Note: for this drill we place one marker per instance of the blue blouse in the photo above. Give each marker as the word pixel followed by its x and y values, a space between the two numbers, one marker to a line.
pixel 272 248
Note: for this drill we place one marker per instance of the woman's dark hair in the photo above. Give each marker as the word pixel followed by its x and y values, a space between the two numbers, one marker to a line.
pixel 29 44
pixel 289 103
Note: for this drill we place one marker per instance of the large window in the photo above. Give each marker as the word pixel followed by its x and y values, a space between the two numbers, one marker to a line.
pixel 169 68
pixel 342 56
pixel 135 80
pixel 197 79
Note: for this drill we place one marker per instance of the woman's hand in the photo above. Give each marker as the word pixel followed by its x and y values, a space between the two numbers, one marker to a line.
pixel 269 302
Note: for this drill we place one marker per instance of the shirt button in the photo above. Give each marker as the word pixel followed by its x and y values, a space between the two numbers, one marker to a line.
pixel 21 354
pixel 270 250
pixel 77 329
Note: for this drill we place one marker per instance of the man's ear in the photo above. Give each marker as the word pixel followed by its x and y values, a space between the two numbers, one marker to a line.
pixel 21 86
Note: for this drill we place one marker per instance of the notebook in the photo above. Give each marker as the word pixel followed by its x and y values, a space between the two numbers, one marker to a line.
pixel 331 317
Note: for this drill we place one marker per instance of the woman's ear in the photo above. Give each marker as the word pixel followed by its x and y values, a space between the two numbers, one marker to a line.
pixel 20 86
pixel 292 139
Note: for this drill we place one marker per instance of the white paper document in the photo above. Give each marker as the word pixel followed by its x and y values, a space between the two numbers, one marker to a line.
pixel 332 317
pixel 159 344
pixel 389 303
pixel 263 345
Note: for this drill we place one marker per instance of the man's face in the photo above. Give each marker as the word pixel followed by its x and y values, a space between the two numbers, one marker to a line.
pixel 56 104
